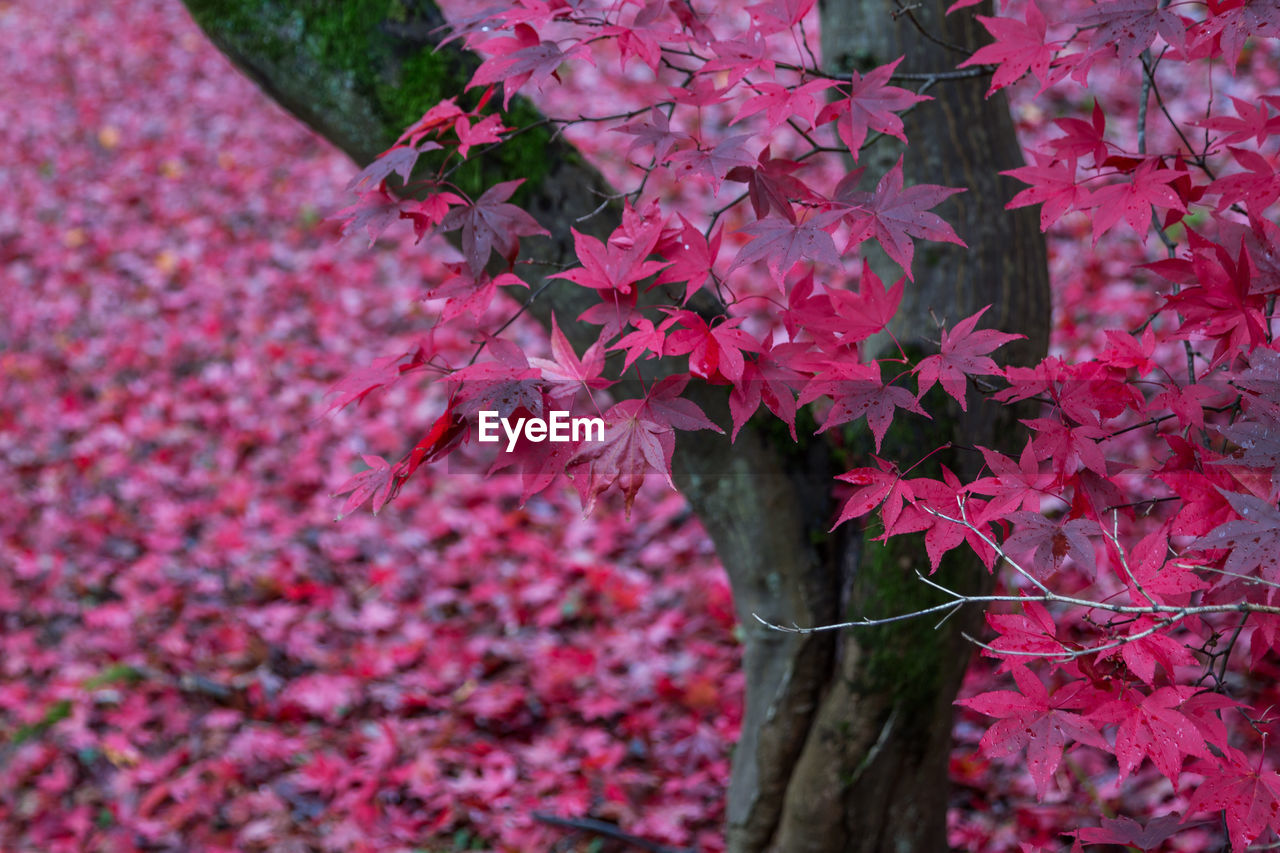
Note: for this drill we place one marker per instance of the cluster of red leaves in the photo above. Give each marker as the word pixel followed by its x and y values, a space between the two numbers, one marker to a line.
pixel 195 656
pixel 1142 514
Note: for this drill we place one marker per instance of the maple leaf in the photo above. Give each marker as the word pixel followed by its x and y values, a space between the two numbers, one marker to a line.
pixel 639 437
pixel 464 292
pixel 656 131
pixel 894 215
pixel 716 162
pixel 447 433
pixel 1126 831
pixel 691 256
pixel 399 160
pixel 856 316
pixel 783 243
pixel 738 57
pixel 434 120
pixel 1153 727
pixel 1019 47
pixel 363 381
pixel 612 266
pixel 1013 486
pixel 614 312
pixel 1257 187
pixel 872 105
pixel 875 486
pixel 771 186
pixel 771 380
pixel 491 223
pixel 1051 542
pixel 484 131
pixel 1154 579
pixel 1130 26
pixel 1258 446
pixel 857 390
pixel 429 212
pixel 964 353
pixel 714 351
pixel 377 482
pixel 1218 301
pixel 1133 201
pixel 646 338
pixel 1248 796
pixel 782 103
pixel 506 385
pixel 1032 719
pixel 1252 120
pixel 1031 632
pixel 1069 446
pixel 521 58
pixel 375 212
pixel 566 374
pixel 776 16
pixel 1252 541
pixel 1233 22
pixel 1082 138
pixel 644 36
pixel 1053 184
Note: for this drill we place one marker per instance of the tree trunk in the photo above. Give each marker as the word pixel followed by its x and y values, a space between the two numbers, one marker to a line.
pixel 845 737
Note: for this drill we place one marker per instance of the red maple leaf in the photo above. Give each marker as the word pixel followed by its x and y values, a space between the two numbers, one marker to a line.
pixel 771 186
pixel 964 353
pixel 858 316
pixel 715 163
pixel 1252 120
pixel 1126 831
pixel 566 374
pixel 656 132
pixel 1252 541
pixel 768 379
pixel 782 103
pixel 872 105
pixel 856 390
pixel 1012 486
pixel 1130 26
pixel 782 243
pixel 1032 719
pixel 398 160
pixel 715 352
pixel 1247 795
pixel 615 265
pixel 1132 201
pixel 775 16
pixel 875 486
pixel 1053 184
pixel 691 256
pixel 1019 47
pixel 893 215
pixel 639 437
pixel 520 58
pixel 491 223
pixel 1051 542
pixel 377 482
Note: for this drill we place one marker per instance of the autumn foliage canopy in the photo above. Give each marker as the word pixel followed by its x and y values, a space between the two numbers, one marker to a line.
pixel 1139 621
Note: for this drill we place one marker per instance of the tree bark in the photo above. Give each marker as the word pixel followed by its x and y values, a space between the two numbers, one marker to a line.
pixel 845 738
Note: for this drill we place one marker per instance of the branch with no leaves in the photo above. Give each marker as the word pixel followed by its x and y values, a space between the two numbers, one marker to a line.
pixel 1165 615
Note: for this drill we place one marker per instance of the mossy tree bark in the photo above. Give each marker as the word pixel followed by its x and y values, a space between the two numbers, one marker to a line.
pixel 845 737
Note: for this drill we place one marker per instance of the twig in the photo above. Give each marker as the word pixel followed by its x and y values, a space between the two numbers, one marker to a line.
pixel 608 830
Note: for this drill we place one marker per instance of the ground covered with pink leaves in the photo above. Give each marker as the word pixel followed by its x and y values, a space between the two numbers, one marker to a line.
pixel 195 655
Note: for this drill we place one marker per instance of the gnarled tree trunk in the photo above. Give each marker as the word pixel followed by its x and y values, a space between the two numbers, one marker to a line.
pixel 845 736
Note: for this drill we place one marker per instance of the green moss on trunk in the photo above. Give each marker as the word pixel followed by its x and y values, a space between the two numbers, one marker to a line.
pixel 361 71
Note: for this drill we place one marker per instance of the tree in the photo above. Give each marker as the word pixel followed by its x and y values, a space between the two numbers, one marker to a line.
pixel 845 736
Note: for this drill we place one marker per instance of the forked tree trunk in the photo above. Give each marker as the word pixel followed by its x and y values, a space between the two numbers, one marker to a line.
pixel 845 737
